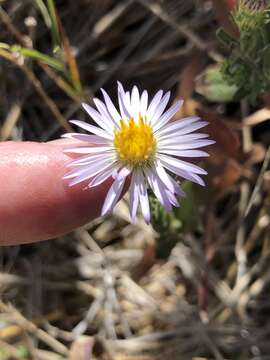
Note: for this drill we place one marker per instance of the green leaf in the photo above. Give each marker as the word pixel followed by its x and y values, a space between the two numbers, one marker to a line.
pixel 54 26
pixel 45 13
pixel 226 39
pixel 214 87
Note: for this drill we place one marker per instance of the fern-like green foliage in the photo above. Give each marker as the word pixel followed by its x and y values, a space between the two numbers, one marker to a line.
pixel 248 65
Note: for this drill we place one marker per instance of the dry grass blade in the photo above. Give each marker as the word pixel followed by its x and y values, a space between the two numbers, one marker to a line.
pixel 33 329
pixel 156 8
pixel 62 84
pixel 10 122
pixel 258 182
pixel 258 117
pixel 39 88
pixel 70 57
pixel 6 19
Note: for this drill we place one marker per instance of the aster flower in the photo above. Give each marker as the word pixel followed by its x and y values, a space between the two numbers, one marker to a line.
pixel 137 142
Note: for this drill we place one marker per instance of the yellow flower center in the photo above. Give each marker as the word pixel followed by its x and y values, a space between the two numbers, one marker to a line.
pixel 135 142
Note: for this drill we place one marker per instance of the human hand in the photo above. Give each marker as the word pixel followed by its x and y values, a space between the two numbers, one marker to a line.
pixel 35 202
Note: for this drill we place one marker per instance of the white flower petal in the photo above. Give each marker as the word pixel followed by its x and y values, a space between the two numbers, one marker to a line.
pixel 176 128
pixel 175 140
pixel 88 149
pixel 102 176
pixel 187 129
pixel 135 102
pixel 112 196
pixel 100 119
pixel 178 124
pixel 144 103
pixel 86 168
pixel 172 198
pixel 93 139
pixel 111 108
pixel 158 188
pixel 187 146
pixel 143 196
pixel 184 174
pixel 123 173
pixel 167 116
pixel 170 183
pixel 106 117
pixel 153 105
pixel 160 108
pixel 185 153
pixel 164 177
pixel 84 160
pixel 92 129
pixel 127 101
pixel 177 188
pixel 90 172
pixel 182 164
pixel 134 196
pixel 123 100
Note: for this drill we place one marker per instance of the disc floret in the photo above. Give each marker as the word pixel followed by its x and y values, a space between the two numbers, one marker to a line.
pixel 135 142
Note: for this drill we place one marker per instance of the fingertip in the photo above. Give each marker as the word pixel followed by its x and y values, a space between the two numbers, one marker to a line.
pixel 32 184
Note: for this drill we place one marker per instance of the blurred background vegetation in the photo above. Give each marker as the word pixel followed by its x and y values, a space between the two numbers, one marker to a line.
pixel 196 284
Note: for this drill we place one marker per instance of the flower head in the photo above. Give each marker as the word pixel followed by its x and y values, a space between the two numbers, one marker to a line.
pixel 253 5
pixel 138 142
pixel 251 15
